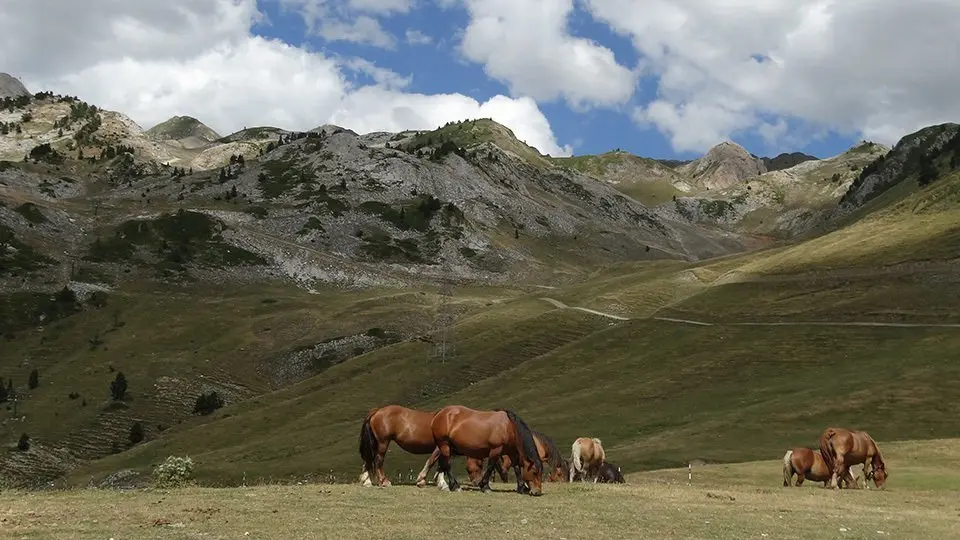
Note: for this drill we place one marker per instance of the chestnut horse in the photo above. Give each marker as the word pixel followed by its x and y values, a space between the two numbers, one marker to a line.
pixel 410 429
pixel 807 464
pixel 587 456
pixel 549 453
pixel 841 448
pixel 459 430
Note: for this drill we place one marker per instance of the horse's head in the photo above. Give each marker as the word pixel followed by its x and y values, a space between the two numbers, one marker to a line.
pixel 878 474
pixel 532 471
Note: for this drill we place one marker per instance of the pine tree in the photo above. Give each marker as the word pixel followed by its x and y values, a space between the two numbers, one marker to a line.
pixel 136 433
pixel 34 380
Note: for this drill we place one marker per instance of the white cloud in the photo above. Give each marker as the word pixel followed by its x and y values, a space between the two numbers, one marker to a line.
pixel 153 61
pixel 879 68
pixel 349 20
pixel 527 46
pixel 416 37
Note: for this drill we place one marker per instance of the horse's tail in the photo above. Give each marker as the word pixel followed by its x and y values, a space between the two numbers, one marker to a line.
pixel 368 443
pixel 787 468
pixel 826 448
pixel 575 451
pixel 527 447
pixel 602 452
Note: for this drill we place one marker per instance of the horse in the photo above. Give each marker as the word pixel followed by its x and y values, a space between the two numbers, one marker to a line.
pixel 549 453
pixel 842 447
pixel 459 430
pixel 409 428
pixel 609 473
pixel 808 464
pixel 587 456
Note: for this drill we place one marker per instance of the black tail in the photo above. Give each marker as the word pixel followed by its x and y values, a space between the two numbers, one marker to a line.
pixel 527 447
pixel 368 445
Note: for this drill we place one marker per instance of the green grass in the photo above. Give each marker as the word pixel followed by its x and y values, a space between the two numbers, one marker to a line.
pixel 736 501
pixel 471 133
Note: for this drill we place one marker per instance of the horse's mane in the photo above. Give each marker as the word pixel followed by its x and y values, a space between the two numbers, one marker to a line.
pixel 527 446
pixel 556 459
pixel 878 456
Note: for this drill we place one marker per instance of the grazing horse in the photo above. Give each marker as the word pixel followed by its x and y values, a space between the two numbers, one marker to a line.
pixel 587 457
pixel 807 464
pixel 459 430
pixel 610 474
pixel 410 428
pixel 841 448
pixel 549 453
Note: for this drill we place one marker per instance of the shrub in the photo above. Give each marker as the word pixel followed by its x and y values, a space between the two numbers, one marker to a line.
pixel 136 433
pixel 24 443
pixel 207 403
pixel 34 380
pixel 118 387
pixel 173 472
pixel 98 299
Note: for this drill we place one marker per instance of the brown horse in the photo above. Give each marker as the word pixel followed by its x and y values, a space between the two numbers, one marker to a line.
pixel 474 469
pixel 587 456
pixel 807 464
pixel 459 430
pixel 841 448
pixel 549 453
pixel 409 428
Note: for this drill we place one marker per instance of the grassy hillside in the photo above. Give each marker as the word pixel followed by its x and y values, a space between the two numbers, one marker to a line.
pixel 641 384
pixel 723 501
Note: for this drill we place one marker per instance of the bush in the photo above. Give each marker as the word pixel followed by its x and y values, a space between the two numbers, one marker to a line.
pixel 118 387
pixel 136 433
pixel 207 403
pixel 34 380
pixel 24 443
pixel 173 472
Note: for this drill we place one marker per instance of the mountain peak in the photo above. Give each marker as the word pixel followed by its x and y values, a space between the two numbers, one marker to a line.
pixel 724 165
pixel 185 129
pixel 10 86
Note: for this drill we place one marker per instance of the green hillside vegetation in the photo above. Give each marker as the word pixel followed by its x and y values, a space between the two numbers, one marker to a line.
pixel 645 180
pixel 470 134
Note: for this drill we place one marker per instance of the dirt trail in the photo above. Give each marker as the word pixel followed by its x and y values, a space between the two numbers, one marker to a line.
pixel 561 305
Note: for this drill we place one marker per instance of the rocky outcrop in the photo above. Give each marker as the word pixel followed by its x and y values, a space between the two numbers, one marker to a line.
pixel 10 86
pixel 725 165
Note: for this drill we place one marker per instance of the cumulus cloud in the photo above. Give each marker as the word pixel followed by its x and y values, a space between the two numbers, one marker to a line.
pixel 528 47
pixel 154 60
pixel 880 69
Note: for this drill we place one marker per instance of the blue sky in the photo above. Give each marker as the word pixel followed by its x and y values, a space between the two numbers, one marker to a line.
pixel 582 76
pixel 439 67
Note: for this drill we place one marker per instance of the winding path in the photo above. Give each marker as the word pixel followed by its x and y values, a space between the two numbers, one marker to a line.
pixel 561 305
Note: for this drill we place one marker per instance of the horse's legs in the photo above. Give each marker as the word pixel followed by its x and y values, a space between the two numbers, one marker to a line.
pixel 431 461
pixel 839 471
pixel 378 463
pixel 446 479
pixel 800 479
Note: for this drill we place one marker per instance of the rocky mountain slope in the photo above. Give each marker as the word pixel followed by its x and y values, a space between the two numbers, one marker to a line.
pixel 11 87
pixel 723 166
pixel 185 130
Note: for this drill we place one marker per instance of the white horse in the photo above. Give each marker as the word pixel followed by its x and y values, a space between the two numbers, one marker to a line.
pixel 586 459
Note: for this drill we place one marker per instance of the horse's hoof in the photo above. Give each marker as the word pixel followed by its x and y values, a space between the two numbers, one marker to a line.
pixel 421 483
pixel 386 483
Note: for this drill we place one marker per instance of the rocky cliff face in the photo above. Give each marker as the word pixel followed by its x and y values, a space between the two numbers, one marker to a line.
pixel 10 86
